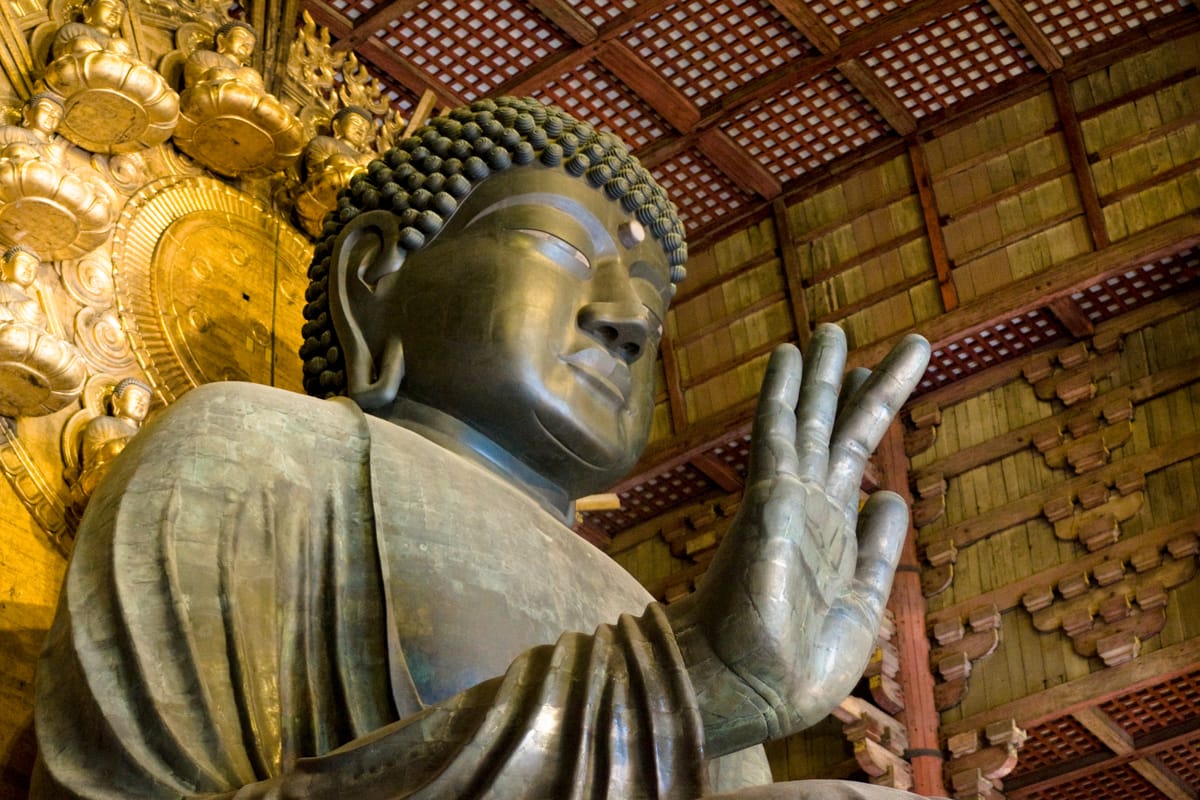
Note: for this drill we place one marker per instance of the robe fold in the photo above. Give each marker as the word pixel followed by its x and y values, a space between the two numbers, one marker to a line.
pixel 269 584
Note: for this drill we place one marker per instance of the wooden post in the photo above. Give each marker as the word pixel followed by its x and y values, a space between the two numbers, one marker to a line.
pixel 793 280
pixel 1077 153
pixel 907 603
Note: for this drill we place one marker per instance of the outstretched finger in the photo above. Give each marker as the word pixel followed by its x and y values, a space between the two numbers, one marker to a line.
pixel 860 428
pixel 851 386
pixel 882 527
pixel 773 443
pixel 817 407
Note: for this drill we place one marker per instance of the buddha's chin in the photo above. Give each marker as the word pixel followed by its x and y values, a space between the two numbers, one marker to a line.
pixel 581 452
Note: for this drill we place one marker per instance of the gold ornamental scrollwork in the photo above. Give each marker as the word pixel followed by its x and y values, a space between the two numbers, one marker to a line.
pixel 210 286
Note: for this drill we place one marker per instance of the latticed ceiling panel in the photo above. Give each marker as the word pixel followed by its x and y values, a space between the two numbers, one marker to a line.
pixel 1184 761
pixel 709 49
pixel 1116 783
pixel 600 12
pixel 1157 707
pixel 846 16
pixel 1145 284
pixel 950 59
pixel 473 48
pixel 992 345
pixel 1054 742
pixel 1073 25
pixel 806 126
pixel 593 93
pixel 651 498
pixel 703 192
pixel 353 9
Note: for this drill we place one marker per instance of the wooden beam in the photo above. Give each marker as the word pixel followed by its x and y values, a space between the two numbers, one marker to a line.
pixel 1019 297
pixel 670 103
pixel 549 69
pixel 1072 317
pixel 374 20
pixel 567 19
pixel 734 161
pixel 989 523
pixel 674 382
pixel 875 92
pixel 719 472
pixel 421 113
pixel 809 23
pixel 1008 597
pixel 907 603
pixel 1091 690
pixel 933 226
pixel 1115 738
pixel 1077 153
pixel 792 277
pixel 1035 41
pixel 1035 783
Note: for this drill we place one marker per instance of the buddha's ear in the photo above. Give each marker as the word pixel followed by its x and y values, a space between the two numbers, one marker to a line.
pixel 365 253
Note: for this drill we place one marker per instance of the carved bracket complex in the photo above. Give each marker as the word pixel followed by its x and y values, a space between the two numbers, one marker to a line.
pixel 959 644
pixel 975 772
pixel 1107 611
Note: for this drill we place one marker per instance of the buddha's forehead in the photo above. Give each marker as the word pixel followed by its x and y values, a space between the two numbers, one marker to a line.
pixel 540 196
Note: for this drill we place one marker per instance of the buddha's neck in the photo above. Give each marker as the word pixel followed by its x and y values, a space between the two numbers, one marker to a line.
pixel 461 439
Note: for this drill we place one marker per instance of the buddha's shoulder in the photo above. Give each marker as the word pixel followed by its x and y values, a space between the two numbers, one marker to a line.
pixel 245 416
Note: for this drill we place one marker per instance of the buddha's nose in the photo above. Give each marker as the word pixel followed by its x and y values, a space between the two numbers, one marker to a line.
pixel 622 329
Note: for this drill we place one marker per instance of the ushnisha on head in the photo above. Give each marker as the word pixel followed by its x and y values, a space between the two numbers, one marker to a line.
pixel 424 180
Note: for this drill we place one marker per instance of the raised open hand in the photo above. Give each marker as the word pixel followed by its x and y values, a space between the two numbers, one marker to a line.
pixel 786 617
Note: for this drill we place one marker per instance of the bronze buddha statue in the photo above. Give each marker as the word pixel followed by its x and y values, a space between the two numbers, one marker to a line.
pixel 286 597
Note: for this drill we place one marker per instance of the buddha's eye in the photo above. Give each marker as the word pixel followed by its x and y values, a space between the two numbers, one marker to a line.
pixel 562 252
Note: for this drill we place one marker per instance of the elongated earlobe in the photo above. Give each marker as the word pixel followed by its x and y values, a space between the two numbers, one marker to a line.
pixel 367 251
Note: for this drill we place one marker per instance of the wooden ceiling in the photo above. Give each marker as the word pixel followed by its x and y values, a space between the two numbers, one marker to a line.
pixel 736 105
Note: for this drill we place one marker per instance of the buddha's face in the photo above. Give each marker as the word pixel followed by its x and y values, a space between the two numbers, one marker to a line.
pixel 132 403
pixel 21 268
pixel 106 14
pixel 354 129
pixel 534 317
pixel 44 115
pixel 237 43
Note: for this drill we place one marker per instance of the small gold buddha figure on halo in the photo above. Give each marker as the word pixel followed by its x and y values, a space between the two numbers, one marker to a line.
pixel 228 121
pixel 329 162
pixel 113 102
pixel 105 436
pixel 57 211
pixel 40 372
pixel 35 137
pixel 99 30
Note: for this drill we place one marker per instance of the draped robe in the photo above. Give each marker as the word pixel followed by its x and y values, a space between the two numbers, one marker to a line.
pixel 264 578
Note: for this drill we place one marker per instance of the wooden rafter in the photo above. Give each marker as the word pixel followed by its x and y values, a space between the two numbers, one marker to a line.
pixel 1029 34
pixel 1136 755
pixel 793 278
pixel 933 227
pixel 860 76
pixel 1118 740
pixel 732 159
pixel 671 376
pixel 718 472
pixel 1077 154
pixel 567 19
pixel 672 104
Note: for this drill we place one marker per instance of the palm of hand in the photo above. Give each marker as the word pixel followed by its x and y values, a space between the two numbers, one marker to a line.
pixel 792 603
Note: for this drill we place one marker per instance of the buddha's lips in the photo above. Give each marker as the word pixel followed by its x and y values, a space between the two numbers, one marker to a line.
pixel 603 369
